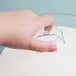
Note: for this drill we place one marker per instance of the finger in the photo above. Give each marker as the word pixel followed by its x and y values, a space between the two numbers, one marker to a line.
pixel 48 27
pixel 42 46
pixel 45 22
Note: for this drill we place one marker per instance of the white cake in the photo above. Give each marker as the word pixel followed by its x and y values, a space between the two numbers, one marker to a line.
pixel 16 62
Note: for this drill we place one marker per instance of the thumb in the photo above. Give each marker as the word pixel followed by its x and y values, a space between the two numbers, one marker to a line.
pixel 42 46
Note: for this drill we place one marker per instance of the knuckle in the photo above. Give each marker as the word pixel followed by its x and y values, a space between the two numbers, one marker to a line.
pixel 28 11
pixel 23 12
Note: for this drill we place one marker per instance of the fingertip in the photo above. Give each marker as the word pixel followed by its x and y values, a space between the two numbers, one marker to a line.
pixel 48 22
pixel 52 48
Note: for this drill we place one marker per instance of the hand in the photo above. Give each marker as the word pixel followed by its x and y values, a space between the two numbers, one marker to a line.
pixel 19 27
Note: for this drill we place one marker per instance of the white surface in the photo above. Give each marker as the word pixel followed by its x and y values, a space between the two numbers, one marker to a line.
pixel 27 63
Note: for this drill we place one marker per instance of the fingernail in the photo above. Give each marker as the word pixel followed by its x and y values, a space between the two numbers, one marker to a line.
pixel 53 48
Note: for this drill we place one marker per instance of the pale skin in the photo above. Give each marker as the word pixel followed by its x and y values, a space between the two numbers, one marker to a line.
pixel 17 29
